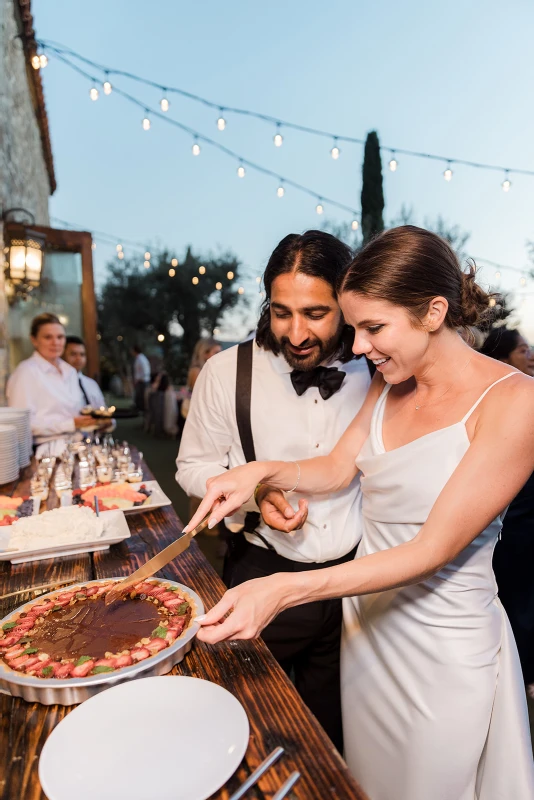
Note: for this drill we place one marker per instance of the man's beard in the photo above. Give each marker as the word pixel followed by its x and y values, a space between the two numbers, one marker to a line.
pixel 323 351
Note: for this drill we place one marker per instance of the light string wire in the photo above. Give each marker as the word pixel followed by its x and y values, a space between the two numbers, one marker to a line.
pixel 336 137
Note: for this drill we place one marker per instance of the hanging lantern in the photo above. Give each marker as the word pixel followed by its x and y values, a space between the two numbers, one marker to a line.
pixel 24 256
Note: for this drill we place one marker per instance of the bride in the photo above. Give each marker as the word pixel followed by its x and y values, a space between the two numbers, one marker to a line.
pixel 433 701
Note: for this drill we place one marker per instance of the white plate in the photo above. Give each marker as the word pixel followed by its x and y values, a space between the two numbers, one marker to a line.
pixel 165 738
pixel 157 499
pixel 115 530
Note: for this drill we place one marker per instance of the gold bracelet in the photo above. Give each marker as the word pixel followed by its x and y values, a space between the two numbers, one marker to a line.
pixel 288 491
pixel 256 490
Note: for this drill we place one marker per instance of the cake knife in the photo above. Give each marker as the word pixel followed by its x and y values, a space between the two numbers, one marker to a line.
pixel 156 563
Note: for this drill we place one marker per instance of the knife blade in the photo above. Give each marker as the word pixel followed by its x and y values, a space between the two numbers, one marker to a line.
pixel 156 563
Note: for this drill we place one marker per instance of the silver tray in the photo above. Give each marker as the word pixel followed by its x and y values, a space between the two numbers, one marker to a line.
pixel 69 691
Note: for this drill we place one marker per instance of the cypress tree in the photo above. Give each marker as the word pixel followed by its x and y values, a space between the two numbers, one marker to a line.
pixel 372 189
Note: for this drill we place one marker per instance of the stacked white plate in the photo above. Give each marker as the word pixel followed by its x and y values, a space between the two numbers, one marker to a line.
pixel 20 418
pixel 9 454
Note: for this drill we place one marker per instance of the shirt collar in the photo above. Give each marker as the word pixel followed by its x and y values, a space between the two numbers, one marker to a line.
pixel 46 366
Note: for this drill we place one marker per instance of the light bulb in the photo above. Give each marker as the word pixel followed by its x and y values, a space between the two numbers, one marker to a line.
pixel 164 104
pixel 202 270
pixel 93 93
pixel 258 279
pixel 221 122
pixel 241 171
pixel 172 273
pixel 43 60
pixel 522 281
pixel 146 264
pixel 93 246
pixel 393 164
pixel 119 248
pixel 278 139
pixel 196 149
pixel 216 331
pixel 280 192
pixel 146 124
pixel 354 224
pixel 241 290
pixel 497 275
pixel 107 87
pixel 492 302
pixel 194 280
pixel 319 208
pixel 174 262
pixel 218 286
pixel 230 275
pixel 506 184
pixel 120 255
pixel 119 338
pixel 147 255
pixel 448 174
pixel 335 152
pixel 161 338
pixel 36 62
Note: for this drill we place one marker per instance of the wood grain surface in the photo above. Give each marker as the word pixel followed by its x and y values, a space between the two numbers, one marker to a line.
pixel 275 711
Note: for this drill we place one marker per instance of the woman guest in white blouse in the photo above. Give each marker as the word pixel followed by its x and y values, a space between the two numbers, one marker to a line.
pixel 48 386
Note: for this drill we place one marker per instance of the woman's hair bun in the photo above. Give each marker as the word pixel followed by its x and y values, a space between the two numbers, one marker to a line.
pixel 475 302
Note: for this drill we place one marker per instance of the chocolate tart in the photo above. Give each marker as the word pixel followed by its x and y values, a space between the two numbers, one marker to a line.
pixel 68 645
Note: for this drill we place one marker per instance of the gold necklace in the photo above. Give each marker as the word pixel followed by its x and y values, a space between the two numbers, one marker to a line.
pixel 422 405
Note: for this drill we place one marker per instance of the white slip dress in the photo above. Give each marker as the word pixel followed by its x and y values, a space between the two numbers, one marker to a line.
pixel 433 700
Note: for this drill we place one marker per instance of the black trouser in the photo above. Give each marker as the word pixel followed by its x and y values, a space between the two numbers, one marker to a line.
pixel 306 639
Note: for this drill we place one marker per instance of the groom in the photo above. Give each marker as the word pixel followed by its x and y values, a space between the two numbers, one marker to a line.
pixel 289 394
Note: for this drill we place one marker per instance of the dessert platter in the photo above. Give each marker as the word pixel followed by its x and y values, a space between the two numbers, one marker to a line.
pixel 61 531
pixel 67 645
pixel 129 497
pixel 98 413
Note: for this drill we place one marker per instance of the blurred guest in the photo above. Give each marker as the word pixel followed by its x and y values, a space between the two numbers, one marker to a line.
pixel 204 350
pixel 141 377
pixel 48 386
pixel 514 553
pixel 76 356
pixel 163 406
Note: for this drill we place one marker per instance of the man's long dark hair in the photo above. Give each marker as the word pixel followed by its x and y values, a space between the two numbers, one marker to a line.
pixel 314 253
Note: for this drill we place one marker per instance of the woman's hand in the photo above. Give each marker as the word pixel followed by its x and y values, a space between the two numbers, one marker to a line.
pixel 226 493
pixel 245 610
pixel 83 421
pixel 277 513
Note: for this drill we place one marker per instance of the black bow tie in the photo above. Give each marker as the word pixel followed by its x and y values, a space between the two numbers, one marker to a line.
pixel 327 379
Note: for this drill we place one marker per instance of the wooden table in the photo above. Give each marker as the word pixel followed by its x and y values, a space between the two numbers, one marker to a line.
pixel 275 711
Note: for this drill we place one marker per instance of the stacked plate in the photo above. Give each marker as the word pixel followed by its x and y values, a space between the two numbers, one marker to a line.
pixel 9 454
pixel 20 418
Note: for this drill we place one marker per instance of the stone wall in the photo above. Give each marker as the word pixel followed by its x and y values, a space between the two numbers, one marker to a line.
pixel 24 178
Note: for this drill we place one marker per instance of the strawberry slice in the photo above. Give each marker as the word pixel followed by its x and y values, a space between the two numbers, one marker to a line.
pixel 83 669
pixel 65 596
pixel 91 590
pixel 105 662
pixel 64 670
pixel 9 641
pixel 15 651
pixel 122 661
pixel 155 645
pixel 31 663
pixel 17 663
pixel 140 653
pixel 172 603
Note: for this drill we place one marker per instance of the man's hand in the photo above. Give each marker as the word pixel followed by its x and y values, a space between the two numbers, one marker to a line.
pixel 277 513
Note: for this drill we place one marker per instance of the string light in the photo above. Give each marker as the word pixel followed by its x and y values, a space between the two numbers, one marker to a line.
pixel 258 278
pixel 319 207
pixel 241 171
pixel 120 255
pixel 498 275
pixel 43 61
pixel 174 262
pixel 93 245
pixel 194 280
pixel 278 139
pixel 448 172
pixel 172 273
pixel 94 93
pixel 221 122
pixel 280 192
pixel 218 286
pixel 196 148
pixel 161 338
pixel 523 281
pixel 230 275
pixel 107 87
pixel 492 302
pixel 146 122
pixel 146 264
pixel 119 338
pixel 241 290
pixel 119 248
pixel 147 255
pixel 164 104
pixel 36 62
pixel 506 184
pixel 354 224
pixel 393 163
pixel 216 331
pixel 335 152
pixel 202 270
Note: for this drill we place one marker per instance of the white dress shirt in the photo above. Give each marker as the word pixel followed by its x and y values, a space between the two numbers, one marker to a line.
pixel 92 391
pixel 141 369
pixel 53 397
pixel 284 427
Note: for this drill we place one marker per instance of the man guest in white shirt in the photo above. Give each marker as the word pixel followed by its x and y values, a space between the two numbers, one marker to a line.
pixel 290 394
pixel 141 377
pixel 76 355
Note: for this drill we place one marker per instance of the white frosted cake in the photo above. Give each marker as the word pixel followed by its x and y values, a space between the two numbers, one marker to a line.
pixel 68 525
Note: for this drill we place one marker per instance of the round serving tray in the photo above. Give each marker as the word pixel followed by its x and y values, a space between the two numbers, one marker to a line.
pixel 67 692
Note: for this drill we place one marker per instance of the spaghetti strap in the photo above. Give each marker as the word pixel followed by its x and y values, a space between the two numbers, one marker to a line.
pixel 482 396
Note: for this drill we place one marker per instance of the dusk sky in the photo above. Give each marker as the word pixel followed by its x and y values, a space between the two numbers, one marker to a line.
pixel 451 79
